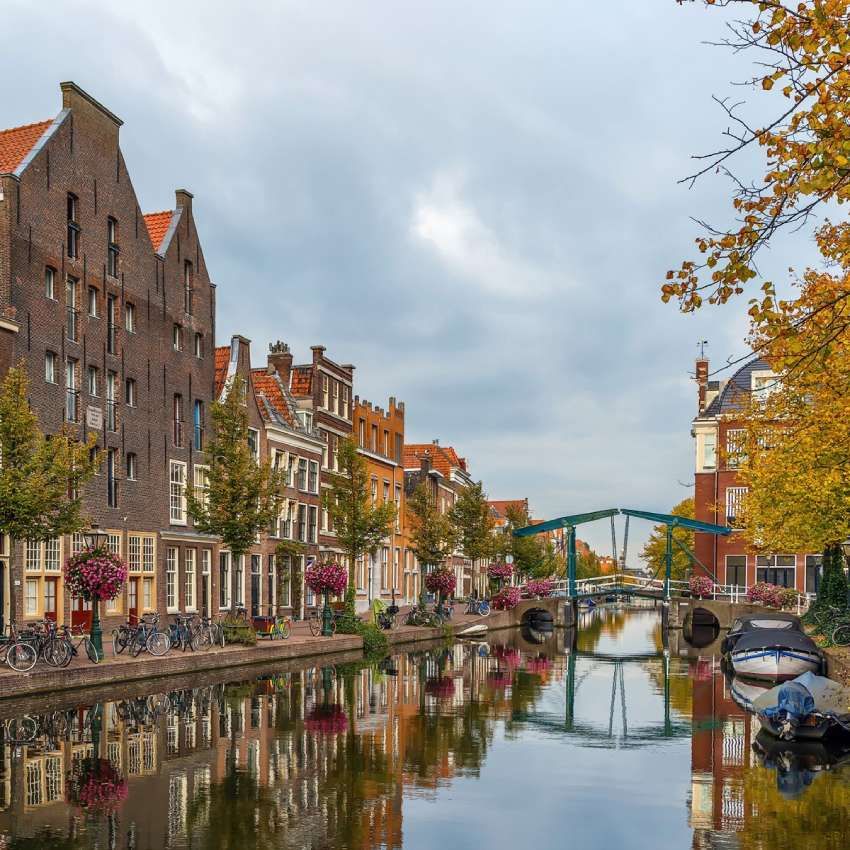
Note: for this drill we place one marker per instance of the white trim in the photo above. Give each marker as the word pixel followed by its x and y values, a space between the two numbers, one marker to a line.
pixel 42 141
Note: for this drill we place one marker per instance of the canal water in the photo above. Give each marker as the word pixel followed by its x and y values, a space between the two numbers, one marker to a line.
pixel 602 739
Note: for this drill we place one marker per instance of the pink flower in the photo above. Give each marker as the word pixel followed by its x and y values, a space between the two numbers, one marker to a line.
pixel 327 578
pixel 442 581
pixel 500 572
pixel 541 587
pixel 506 599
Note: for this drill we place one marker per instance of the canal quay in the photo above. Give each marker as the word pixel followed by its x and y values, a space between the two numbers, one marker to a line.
pixel 613 734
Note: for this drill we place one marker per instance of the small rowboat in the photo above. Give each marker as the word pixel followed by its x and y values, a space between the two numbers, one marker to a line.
pixel 775 655
pixel 473 631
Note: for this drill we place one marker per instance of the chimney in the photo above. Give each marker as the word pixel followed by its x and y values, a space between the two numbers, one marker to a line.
pixel 702 381
pixel 425 464
pixel 183 198
pixel 318 352
pixel 280 361
pixel 435 442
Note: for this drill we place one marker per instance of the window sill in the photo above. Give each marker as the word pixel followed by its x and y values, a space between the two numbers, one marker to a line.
pixel 172 610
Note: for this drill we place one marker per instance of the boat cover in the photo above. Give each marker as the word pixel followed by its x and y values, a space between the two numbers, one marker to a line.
pixel 766 620
pixel 775 639
pixel 792 702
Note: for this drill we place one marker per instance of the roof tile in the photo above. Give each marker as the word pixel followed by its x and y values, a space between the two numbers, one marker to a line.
pixel 301 381
pixel 222 360
pixel 158 224
pixel 17 142
pixel 268 386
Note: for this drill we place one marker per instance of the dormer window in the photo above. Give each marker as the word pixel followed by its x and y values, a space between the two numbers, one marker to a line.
pixel 762 384
pixel 306 419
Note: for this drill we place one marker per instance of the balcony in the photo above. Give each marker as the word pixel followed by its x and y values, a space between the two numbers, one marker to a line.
pixel 72 324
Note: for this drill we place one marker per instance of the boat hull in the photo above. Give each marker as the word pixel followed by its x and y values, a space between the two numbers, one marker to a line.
pixel 774 665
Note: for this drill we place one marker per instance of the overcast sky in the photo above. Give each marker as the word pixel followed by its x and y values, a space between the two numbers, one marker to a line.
pixel 474 203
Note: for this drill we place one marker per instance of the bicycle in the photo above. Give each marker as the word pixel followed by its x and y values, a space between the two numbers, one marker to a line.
pixel 208 632
pixel 480 607
pixel 67 634
pixel 423 617
pixel 314 621
pixel 18 655
pixel 148 637
pixel 43 637
pixel 273 627
pixel 181 633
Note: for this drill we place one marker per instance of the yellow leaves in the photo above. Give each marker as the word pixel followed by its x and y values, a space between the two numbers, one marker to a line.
pixel 767 83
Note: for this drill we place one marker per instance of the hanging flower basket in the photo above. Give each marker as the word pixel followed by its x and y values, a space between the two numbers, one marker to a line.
pixel 329 578
pixel 506 599
pixel 326 720
pixel 95 574
pixel 96 785
pixel 539 588
pixel 500 572
pixel 442 687
pixel 701 586
pixel 441 581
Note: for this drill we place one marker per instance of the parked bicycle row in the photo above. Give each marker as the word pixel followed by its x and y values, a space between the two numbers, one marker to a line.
pixel 22 648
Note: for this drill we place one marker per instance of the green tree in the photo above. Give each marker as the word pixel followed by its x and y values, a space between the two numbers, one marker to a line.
pixel 655 547
pixel 360 525
pixel 433 535
pixel 832 592
pixel 474 523
pixel 41 476
pixel 527 553
pixel 242 494
pixel 588 565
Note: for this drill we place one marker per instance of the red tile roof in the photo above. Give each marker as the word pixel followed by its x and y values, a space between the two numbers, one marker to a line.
pixel 500 506
pixel 222 360
pixel 157 224
pixel 443 458
pixel 17 142
pixel 301 382
pixel 268 386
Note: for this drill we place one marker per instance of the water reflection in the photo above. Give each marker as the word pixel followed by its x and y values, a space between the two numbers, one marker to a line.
pixel 497 742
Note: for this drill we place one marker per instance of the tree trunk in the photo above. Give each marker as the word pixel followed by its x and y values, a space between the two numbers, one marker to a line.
pixel 10 567
pixel 235 559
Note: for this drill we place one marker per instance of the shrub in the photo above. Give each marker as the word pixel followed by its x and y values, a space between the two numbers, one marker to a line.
pixel 237 630
pixel 701 586
pixel 375 642
pixel 506 599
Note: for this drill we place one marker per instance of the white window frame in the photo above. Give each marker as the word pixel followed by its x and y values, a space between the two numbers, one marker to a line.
pixel 172 568
pixel 50 371
pixel 177 493
pixel 130 318
pixel 200 482
pixel 734 496
pixel 190 558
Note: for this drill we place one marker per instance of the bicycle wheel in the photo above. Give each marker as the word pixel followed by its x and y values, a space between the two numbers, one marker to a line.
pixel 21 656
pixel 484 609
pixel 119 641
pixel 285 629
pixel 158 643
pixel 91 651
pixel 315 624
pixel 203 638
pixel 56 653
pixel 841 635
pixel 22 730
pixel 137 644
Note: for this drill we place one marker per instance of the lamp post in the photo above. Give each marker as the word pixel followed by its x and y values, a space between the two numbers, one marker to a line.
pixel 96 539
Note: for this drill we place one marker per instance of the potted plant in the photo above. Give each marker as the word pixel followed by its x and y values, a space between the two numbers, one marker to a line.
pixel 506 599
pixel 327 579
pixel 442 582
pixel 500 573
pixel 95 785
pixel 539 588
pixel 701 586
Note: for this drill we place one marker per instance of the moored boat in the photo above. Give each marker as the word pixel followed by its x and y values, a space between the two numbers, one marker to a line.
pixel 473 631
pixel 775 655
pixel 776 620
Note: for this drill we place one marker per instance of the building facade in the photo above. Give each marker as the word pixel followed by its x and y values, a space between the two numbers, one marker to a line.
pixel 112 312
pixel 718 491
pixel 380 439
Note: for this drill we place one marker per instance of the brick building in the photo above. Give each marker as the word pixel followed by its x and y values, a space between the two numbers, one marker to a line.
pixel 380 438
pixel 295 446
pixel 323 394
pixel 112 313
pixel 718 492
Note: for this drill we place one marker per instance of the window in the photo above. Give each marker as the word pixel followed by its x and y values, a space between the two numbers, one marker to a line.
pixel 130 392
pixel 814 573
pixel 72 391
pixel 177 337
pixel 111 324
pixel 776 569
pixel 239 569
pixel 177 492
pixel 50 367
pixel 314 476
pixel 112 247
pixel 734 503
pixel 312 524
pixel 112 478
pixel 302 475
pixel 73 226
pixel 224 579
pixel 200 482
pixel 306 419
pixel 361 433
pixel 71 328
pixel 254 443
pixel 93 381
pixel 398 508
pixel 386 448
pixel 177 412
pixel 111 401
pixel 345 401
pixel 198 425
pixel 335 452
pixel 325 395
pixel 286 520
pixel 187 287
pixel 189 558
pixel 385 562
pixel 171 578
pixel 301 531
pixel 50 282
pixel 386 491
pixel 763 384
pixel 735 446
pixel 736 570
pixel 374 491
pixel 92 301
pixel 132 466
pixel 130 318
pixel 373 442
pixel 709 450
pixel 335 393
pixel 199 345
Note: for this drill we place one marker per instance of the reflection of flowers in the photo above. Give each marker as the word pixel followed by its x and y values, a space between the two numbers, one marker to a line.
pixel 96 785
pixel 703 670
pixel 506 599
pixel 509 656
pixel 500 679
pixel 327 578
pixel 442 687
pixel 441 581
pixel 326 720
pixel 539 587
pixel 95 574
pixel 537 665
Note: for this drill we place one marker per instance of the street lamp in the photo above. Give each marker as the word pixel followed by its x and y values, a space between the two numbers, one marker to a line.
pixel 96 539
